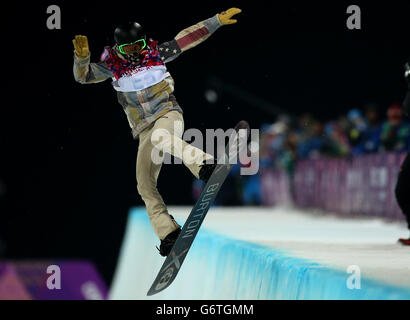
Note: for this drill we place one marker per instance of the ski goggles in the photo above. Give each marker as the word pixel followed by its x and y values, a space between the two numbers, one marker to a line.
pixel 136 46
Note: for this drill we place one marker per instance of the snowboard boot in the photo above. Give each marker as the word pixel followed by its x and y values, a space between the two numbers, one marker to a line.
pixel 168 242
pixel 404 242
pixel 206 171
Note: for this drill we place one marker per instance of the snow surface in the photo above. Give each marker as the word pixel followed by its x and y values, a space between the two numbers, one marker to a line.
pixel 368 243
pixel 284 253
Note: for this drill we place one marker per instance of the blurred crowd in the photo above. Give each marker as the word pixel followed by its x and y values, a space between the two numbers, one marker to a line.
pixel 360 131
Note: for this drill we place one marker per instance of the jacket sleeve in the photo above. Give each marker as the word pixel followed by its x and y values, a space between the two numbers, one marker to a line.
pixel 188 38
pixel 86 72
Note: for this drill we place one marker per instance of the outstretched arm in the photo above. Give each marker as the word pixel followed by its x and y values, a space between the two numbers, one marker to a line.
pixel 194 35
pixel 84 71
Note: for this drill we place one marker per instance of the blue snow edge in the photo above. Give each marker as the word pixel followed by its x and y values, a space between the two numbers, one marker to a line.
pixel 238 269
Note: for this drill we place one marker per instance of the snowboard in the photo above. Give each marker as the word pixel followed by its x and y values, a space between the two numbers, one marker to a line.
pixel 174 260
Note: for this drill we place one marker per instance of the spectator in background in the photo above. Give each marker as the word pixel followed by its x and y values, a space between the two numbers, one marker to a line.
pixel 278 134
pixel 273 143
pixel 290 154
pixel 301 131
pixel 370 141
pixel 395 132
pixel 283 159
pixel 357 127
pixel 312 140
pixel 252 189
pixel 265 151
pixel 335 142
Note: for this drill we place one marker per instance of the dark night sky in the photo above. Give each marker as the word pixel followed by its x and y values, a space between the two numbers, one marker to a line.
pixel 68 158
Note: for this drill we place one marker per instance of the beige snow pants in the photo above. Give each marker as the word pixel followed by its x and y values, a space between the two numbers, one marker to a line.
pixel 153 142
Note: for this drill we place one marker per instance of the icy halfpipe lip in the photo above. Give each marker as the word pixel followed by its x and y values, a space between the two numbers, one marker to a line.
pixel 237 269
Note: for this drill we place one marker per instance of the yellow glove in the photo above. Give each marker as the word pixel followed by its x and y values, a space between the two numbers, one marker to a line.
pixel 225 16
pixel 81 46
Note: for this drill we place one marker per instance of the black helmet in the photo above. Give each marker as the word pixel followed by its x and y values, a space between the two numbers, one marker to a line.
pixel 128 33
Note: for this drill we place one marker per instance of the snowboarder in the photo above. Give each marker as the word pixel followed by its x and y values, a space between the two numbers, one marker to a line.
pixel 145 91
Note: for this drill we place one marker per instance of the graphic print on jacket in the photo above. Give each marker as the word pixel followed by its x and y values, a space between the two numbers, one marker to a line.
pixel 130 77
